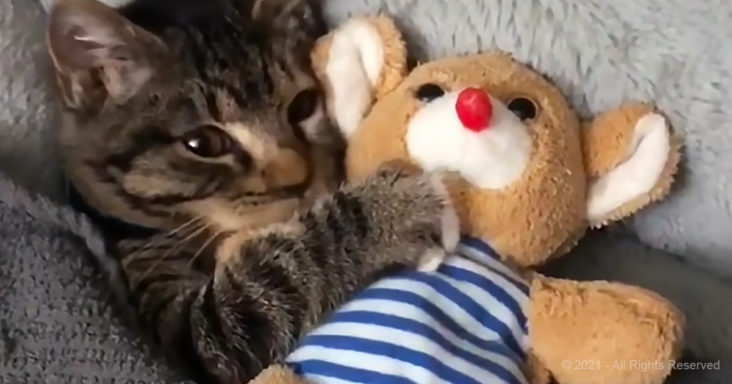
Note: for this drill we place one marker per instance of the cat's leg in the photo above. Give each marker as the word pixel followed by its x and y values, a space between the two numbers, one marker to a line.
pixel 268 290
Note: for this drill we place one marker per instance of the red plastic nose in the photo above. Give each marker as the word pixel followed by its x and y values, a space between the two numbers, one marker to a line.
pixel 474 109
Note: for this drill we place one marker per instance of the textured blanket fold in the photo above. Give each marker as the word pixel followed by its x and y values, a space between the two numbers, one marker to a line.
pixel 58 320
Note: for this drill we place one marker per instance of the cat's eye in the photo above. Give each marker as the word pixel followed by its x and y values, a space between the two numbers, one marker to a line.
pixel 302 106
pixel 429 92
pixel 524 108
pixel 208 141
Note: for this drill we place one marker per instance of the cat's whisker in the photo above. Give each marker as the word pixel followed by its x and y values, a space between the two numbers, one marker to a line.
pixel 174 249
pixel 159 240
pixel 185 225
pixel 203 247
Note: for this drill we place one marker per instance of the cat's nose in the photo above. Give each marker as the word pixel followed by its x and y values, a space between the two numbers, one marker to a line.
pixel 287 168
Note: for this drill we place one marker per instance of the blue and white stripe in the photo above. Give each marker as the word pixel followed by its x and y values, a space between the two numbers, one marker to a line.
pixel 462 324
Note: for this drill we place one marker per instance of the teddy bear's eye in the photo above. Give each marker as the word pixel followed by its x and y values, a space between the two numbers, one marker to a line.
pixel 428 92
pixel 522 107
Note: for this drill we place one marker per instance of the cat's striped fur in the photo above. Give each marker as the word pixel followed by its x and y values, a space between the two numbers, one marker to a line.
pixel 179 122
pixel 277 284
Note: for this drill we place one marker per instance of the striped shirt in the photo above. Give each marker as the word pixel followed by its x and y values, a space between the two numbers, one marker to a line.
pixel 462 324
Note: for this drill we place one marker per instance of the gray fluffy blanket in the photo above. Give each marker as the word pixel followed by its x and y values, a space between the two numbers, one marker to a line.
pixel 59 324
pixel 58 320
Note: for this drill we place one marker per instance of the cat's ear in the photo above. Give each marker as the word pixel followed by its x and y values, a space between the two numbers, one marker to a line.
pixel 290 27
pixel 288 16
pixel 97 54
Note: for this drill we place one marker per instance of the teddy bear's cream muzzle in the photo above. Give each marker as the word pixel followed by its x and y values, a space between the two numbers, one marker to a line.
pixel 492 156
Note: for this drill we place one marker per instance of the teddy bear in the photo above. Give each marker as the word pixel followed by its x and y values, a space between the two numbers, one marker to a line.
pixel 527 178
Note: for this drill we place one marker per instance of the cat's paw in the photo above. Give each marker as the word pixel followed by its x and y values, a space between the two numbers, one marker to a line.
pixel 413 210
pixel 450 232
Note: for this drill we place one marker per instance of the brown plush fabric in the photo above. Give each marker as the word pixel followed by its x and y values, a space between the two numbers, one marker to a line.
pixel 602 333
pixel 277 374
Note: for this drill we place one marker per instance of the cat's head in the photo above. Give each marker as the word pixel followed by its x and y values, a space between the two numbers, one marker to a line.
pixel 183 109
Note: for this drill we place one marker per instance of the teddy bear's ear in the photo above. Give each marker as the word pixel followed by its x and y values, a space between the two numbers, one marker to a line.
pixel 357 63
pixel 631 157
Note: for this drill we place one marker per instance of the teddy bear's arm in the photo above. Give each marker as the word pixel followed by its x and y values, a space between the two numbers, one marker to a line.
pixel 595 331
pixel 631 157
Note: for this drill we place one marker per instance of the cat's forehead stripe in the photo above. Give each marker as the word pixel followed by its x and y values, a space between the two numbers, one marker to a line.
pixel 224 55
pixel 258 145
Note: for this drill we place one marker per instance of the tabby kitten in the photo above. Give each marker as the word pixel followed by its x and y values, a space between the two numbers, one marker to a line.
pixel 196 128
